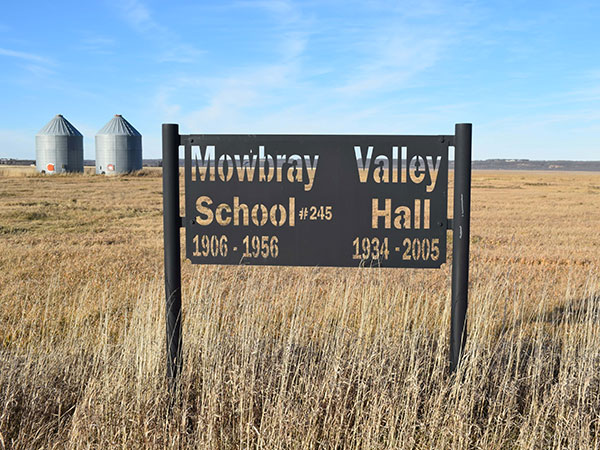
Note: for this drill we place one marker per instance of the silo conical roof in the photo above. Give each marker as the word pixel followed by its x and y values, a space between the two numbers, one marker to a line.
pixel 119 126
pixel 59 126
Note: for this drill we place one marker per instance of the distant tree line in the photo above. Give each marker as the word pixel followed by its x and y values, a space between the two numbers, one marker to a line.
pixel 16 162
pixel 526 164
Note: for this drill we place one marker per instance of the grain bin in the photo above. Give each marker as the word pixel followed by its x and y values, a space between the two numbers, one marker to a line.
pixel 118 147
pixel 59 147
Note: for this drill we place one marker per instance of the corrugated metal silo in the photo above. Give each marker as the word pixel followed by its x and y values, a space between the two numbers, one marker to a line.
pixel 59 147
pixel 118 147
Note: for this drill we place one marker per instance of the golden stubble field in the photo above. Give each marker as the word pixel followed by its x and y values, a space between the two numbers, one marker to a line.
pixel 296 357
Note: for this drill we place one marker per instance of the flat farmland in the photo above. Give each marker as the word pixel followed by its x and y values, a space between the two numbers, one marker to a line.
pixel 283 357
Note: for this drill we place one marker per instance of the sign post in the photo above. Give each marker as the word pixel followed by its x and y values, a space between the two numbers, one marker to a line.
pixel 172 223
pixel 324 200
pixel 460 241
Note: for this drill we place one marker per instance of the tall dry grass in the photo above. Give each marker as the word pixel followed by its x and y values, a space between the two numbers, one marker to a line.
pixel 296 357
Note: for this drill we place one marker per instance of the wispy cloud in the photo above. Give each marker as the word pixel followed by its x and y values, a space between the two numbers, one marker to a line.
pixel 220 99
pixel 227 96
pixel 36 65
pixel 393 62
pixel 292 27
pixel 393 48
pixel 39 71
pixel 138 15
pixel 141 19
pixel 25 56
pixel 371 57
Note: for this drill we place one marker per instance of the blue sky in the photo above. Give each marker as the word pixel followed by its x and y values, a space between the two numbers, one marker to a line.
pixel 525 73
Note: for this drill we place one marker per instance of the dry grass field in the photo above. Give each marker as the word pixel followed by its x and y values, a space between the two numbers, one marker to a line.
pixel 296 357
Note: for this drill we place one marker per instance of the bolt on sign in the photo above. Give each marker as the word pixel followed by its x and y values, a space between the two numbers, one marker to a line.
pixel 316 200
pixel 306 200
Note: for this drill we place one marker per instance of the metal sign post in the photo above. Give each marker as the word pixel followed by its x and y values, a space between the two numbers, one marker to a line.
pixel 460 241
pixel 325 200
pixel 172 223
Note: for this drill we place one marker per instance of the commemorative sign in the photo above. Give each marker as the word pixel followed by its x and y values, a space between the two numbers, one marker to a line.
pixel 316 200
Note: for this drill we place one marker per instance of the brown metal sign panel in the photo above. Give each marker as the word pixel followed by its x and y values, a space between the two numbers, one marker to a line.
pixel 311 200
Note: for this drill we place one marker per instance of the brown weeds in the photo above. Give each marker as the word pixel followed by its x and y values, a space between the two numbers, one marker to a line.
pixel 296 357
